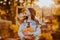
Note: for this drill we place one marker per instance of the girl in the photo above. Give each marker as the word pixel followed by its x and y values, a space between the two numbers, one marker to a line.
pixel 32 22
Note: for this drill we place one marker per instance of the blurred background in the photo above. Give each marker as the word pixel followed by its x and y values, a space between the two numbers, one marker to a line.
pixel 47 11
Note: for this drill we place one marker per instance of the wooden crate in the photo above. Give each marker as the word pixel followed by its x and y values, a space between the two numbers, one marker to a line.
pixel 4 28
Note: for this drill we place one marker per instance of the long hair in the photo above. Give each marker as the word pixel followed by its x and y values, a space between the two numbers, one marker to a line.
pixel 32 12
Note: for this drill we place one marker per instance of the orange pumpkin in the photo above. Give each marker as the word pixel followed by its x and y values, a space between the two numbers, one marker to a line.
pixel 26 30
pixel 29 36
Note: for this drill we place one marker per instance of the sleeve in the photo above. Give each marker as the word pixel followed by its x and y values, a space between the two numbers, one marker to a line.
pixel 20 34
pixel 37 32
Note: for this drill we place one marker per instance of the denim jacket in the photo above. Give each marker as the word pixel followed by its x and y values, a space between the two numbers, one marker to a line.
pixel 33 25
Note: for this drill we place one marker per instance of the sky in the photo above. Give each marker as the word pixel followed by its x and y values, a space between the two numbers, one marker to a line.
pixel 42 3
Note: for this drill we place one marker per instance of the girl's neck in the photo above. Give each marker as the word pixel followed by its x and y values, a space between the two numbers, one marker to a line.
pixel 29 18
pixel 28 24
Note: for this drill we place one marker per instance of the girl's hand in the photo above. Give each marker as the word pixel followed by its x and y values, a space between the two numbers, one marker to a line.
pixel 28 34
pixel 29 37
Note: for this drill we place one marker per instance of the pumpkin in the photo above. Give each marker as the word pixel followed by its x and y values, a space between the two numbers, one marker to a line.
pixel 29 36
pixel 26 30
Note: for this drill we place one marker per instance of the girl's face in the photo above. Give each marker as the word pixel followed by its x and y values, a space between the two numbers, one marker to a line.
pixel 22 16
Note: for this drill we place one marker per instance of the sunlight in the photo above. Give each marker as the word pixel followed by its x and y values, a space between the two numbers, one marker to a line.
pixel 46 3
